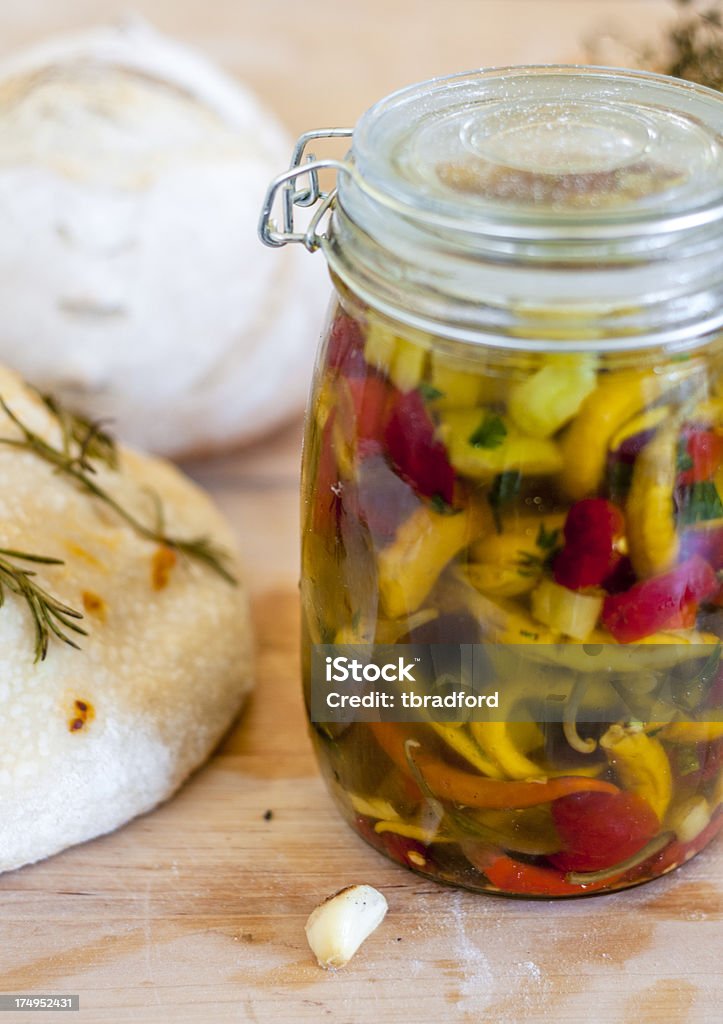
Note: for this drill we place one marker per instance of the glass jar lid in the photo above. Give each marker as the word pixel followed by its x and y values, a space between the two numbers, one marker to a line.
pixel 540 152
pixel 545 207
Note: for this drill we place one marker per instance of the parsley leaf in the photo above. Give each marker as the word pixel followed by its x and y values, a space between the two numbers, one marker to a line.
pixel 698 503
pixel 441 507
pixel 547 543
pixel 620 476
pixel 505 488
pixel 547 539
pixel 490 433
pixel 683 459
pixel 429 393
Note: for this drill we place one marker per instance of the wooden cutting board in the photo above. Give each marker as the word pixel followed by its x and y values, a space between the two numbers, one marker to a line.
pixel 195 913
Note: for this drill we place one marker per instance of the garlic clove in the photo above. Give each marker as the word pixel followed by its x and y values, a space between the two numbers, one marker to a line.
pixel 337 927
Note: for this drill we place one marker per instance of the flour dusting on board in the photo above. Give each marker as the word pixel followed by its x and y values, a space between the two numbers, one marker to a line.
pixel 477 978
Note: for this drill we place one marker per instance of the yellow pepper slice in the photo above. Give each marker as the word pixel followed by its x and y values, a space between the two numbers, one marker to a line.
pixel 408 365
pixel 510 563
pixel 424 543
pixel 641 765
pixel 693 732
pixel 652 537
pixel 418 832
pixel 458 388
pixel 566 611
pixel 501 580
pixel 466 381
pixel 463 744
pixel 390 630
pixel 507 449
pixel 403 359
pixel 545 401
pixel 503 621
pixel 648 420
pixel 380 344
pixel 584 446
pixel 374 807
pixel 690 818
pixel 496 741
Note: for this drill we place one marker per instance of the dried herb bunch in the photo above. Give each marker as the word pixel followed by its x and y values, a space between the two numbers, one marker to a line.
pixel 84 444
pixel 696 43
pixel 691 46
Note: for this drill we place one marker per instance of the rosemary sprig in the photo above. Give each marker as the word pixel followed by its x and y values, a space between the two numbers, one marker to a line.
pixel 82 441
pixel 93 441
pixel 50 616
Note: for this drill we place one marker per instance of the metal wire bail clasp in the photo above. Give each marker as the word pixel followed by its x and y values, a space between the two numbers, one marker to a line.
pixel 299 186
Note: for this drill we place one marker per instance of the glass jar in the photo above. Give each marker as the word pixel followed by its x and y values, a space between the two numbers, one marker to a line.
pixel 512 477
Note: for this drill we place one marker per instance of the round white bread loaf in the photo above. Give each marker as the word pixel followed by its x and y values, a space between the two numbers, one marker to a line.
pixel 95 736
pixel 132 281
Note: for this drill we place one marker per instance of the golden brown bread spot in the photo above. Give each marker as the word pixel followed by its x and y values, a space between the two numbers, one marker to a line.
pixel 82 713
pixel 94 605
pixel 80 552
pixel 163 561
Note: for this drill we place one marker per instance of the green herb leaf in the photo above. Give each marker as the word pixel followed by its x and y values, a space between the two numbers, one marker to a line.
pixel 490 433
pixel 429 393
pixel 547 540
pixel 529 565
pixel 50 616
pixel 698 503
pixel 83 441
pixel 505 488
pixel 683 460
pixel 441 507
pixel 620 477
pixel 92 441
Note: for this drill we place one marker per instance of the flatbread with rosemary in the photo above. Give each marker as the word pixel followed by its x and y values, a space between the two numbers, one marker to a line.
pixel 96 735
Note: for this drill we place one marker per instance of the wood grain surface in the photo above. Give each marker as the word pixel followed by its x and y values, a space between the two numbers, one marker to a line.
pixel 195 913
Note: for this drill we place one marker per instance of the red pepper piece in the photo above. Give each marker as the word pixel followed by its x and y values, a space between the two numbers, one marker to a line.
pixel 459 786
pixel 370 398
pixel 345 348
pixel 402 849
pixel 598 830
pixel 685 619
pixel 658 603
pixel 621 578
pixel 705 451
pixel 592 529
pixel 516 876
pixel 416 454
